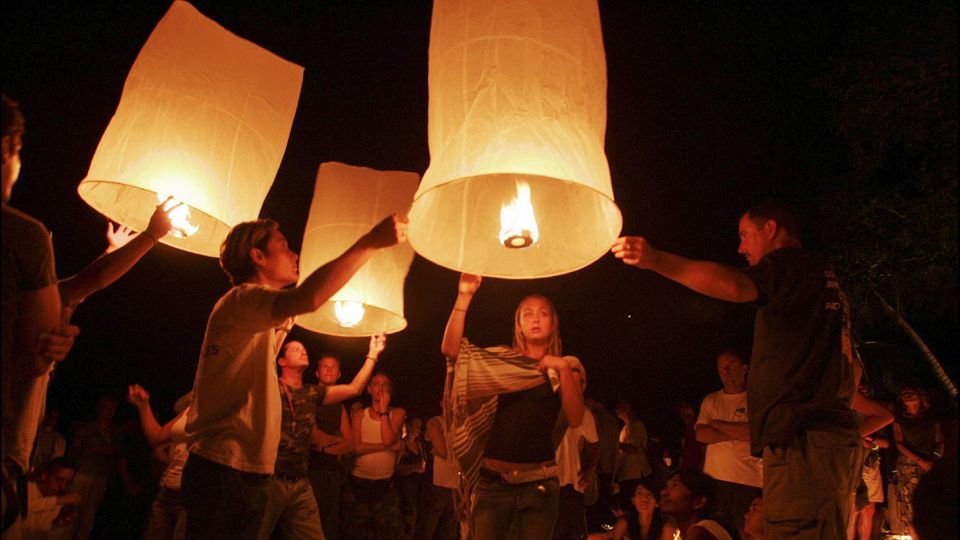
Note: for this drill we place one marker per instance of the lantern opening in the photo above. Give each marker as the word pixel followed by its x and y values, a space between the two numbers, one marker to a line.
pixel 349 314
pixel 178 217
pixel 518 225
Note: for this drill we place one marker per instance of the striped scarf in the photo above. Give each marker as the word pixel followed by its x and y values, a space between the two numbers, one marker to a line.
pixel 473 382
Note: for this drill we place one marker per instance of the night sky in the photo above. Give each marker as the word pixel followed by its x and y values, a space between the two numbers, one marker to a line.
pixel 710 108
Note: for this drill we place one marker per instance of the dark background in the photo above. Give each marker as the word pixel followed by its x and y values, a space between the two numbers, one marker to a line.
pixel 711 107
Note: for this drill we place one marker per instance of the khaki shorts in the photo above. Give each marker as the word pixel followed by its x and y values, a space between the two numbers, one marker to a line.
pixel 809 484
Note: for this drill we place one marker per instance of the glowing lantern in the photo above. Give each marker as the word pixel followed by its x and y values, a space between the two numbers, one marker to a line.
pixel 517 96
pixel 347 202
pixel 204 117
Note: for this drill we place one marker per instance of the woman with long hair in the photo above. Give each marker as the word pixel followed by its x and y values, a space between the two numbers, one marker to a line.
pixel 919 441
pixel 648 523
pixel 506 408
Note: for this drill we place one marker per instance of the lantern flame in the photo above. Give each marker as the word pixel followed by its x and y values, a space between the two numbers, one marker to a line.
pixel 348 313
pixel 518 225
pixel 178 216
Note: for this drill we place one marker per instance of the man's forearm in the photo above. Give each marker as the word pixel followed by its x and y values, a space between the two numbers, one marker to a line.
pixel 735 430
pixel 709 435
pixel 709 278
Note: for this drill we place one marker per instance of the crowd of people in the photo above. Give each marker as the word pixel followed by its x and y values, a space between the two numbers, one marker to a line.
pixel 518 451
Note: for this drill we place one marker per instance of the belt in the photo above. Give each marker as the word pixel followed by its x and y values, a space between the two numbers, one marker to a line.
pixel 520 477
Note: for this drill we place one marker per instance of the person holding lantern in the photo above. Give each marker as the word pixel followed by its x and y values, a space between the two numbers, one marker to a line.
pixel 801 386
pixel 507 409
pixel 234 424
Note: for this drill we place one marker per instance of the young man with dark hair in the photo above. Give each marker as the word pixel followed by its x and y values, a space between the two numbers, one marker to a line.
pixel 234 423
pixel 801 385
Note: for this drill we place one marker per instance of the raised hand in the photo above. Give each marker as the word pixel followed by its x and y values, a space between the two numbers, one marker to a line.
pixel 469 283
pixel 392 230
pixel 384 404
pixel 378 342
pixel 137 395
pixel 160 223
pixel 635 251
pixel 118 236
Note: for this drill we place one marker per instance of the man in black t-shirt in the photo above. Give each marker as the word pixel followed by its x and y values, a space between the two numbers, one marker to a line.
pixel 801 384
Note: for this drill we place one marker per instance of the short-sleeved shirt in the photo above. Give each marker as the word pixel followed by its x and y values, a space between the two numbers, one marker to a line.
pixel 523 426
pixel 799 376
pixel 568 453
pixel 27 265
pixel 235 415
pixel 729 461
pixel 299 415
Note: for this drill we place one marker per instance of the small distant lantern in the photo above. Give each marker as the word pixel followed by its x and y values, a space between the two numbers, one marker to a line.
pixel 204 118
pixel 347 202
pixel 517 117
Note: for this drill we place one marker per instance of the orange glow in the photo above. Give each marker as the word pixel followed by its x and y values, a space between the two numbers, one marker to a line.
pixel 349 314
pixel 182 228
pixel 518 225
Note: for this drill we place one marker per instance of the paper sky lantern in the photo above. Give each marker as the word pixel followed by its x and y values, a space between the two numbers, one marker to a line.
pixel 204 117
pixel 347 202
pixel 516 130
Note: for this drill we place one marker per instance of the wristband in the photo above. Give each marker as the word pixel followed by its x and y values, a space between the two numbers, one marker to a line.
pixel 152 237
pixel 458 309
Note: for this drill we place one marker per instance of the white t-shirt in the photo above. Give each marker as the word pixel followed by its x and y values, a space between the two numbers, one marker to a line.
pixel 235 415
pixel 729 461
pixel 178 454
pixel 41 511
pixel 568 453
pixel 28 399
pixel 634 465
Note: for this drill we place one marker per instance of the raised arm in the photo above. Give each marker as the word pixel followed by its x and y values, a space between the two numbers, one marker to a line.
pixel 453 333
pixel 709 278
pixel 340 392
pixel 153 432
pixel 319 286
pixel 114 263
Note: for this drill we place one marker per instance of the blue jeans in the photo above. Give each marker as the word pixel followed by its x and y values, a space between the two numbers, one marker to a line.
pixel 222 502
pixel 529 509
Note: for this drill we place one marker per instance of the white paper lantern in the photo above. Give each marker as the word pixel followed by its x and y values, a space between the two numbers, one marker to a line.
pixel 347 202
pixel 204 117
pixel 517 104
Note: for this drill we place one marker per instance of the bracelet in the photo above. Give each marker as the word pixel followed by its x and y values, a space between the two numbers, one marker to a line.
pixel 875 447
pixel 374 358
pixel 152 237
pixel 458 309
pixel 383 413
